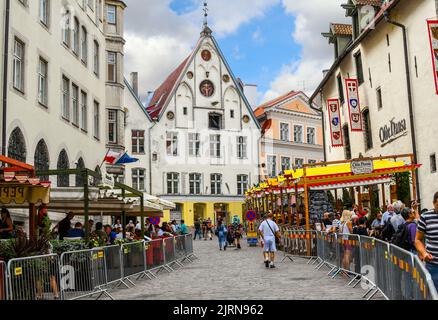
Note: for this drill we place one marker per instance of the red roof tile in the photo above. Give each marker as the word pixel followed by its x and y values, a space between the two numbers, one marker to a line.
pixel 342 29
pixel 261 110
pixel 375 3
pixel 163 91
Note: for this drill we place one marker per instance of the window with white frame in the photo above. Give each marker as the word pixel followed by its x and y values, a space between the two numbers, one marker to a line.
pixel 96 61
pixel 172 183
pixel 75 104
pixel 311 135
pixel 285 164
pixel 216 183
pixel 66 28
pixel 84 44
pixel 172 144
pixel 84 111
pixel 241 147
pixel 18 65
pixel 111 14
pixel 242 184
pixel 298 134
pixel 65 98
pixel 195 180
pixel 112 66
pixel 284 132
pixel 310 161
pixel 76 34
pixel 138 141
pixel 299 162
pixel 272 166
pixel 215 146
pixel 138 179
pixel 42 82
pixel 96 118
pixel 44 13
pixel 112 126
pixel 194 144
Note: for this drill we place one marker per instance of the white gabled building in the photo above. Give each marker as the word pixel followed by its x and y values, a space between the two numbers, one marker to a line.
pixel 204 139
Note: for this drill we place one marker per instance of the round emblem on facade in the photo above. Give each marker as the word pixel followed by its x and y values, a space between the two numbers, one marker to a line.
pixel 206 55
pixel 190 75
pixel 170 115
pixel 245 119
pixel 226 78
pixel 207 88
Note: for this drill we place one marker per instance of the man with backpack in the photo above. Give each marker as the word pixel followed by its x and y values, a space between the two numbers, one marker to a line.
pixel 406 232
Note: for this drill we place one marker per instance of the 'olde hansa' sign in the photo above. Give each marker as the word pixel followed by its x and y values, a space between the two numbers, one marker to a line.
pixel 352 86
pixel 392 131
pixel 433 38
pixel 362 167
pixel 335 122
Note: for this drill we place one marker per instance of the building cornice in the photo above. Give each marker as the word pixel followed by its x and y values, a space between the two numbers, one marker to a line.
pixel 202 198
pixel 291 144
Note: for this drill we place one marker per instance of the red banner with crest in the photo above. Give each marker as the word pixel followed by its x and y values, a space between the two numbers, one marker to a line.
pixel 334 112
pixel 353 101
pixel 432 27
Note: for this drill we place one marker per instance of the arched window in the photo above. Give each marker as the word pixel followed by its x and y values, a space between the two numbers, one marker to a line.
pixel 347 146
pixel 63 164
pixel 367 129
pixel 41 158
pixel 79 178
pixel 96 180
pixel 17 146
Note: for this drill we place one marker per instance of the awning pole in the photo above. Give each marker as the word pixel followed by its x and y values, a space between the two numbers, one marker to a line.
pixel 297 214
pixel 86 204
pixel 32 212
pixel 289 207
pixel 384 196
pixel 414 180
pixel 123 216
pixel 142 216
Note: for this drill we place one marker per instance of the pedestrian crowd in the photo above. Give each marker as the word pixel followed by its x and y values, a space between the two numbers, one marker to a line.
pixel 403 226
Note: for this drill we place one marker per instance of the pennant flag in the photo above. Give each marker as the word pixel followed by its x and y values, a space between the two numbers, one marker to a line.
pixel 354 104
pixel 115 158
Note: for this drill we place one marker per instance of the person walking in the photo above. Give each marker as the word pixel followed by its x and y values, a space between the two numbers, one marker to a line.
pixel 221 231
pixel 269 230
pixel 198 231
pixel 426 240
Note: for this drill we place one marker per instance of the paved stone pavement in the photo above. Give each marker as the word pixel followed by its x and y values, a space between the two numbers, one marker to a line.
pixel 240 275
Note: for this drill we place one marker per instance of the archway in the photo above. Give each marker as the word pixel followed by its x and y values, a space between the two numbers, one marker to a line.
pixel 42 159
pixel 221 212
pixel 63 164
pixel 200 211
pixel 79 178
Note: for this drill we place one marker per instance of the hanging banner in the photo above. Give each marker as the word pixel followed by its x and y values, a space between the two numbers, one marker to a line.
pixel 433 38
pixel 335 122
pixel 352 86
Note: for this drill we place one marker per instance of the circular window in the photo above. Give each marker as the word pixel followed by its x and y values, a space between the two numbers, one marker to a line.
pixel 226 78
pixel 245 119
pixel 206 55
pixel 170 115
pixel 190 75
pixel 207 88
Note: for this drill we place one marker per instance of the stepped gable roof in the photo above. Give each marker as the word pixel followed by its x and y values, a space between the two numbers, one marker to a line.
pixel 162 93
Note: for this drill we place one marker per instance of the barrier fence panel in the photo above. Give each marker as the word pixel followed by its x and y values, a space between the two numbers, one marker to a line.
pixel 330 248
pixel 320 244
pixel 169 250
pixel 154 254
pixel 349 252
pixel 401 268
pixel 368 263
pixel 3 279
pixel 98 267
pixel 422 286
pixel 34 278
pixel 381 267
pixel 113 261
pixel 77 268
pixel 133 257
pixel 180 250
pixel 188 244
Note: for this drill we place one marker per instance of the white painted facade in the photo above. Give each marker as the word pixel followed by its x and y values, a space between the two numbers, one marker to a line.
pixel 383 62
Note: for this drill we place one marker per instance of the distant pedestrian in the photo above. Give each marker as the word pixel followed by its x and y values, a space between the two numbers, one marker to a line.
pixel 269 230
pixel 221 231
pixel 64 225
pixel 198 231
pixel 184 229
pixel 427 231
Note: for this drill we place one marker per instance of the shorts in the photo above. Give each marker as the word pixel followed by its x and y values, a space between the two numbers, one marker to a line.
pixel 269 245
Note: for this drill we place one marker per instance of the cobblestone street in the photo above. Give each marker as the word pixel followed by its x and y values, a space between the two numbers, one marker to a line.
pixel 240 275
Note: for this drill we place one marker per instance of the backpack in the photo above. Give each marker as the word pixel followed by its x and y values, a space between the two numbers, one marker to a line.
pixel 388 231
pixel 402 237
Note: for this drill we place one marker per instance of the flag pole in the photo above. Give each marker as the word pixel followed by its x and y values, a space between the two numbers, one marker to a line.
pixel 107 152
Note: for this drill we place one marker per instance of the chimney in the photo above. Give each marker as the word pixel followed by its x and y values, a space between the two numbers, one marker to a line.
pixel 134 82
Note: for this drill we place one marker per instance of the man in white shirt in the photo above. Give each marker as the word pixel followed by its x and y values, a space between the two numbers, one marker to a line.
pixel 268 229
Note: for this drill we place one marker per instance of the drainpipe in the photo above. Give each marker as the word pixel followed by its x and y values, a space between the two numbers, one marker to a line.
pixel 409 91
pixel 150 157
pixel 5 74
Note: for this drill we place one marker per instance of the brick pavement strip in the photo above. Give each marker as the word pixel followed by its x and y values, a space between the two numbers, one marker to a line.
pixel 240 275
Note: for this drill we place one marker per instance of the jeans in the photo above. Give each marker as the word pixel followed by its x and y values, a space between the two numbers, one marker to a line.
pixel 221 237
pixel 433 270
pixel 197 232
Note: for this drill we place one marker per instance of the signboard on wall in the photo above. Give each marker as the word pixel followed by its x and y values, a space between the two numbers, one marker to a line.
pixel 432 27
pixel 335 122
pixel 362 166
pixel 352 86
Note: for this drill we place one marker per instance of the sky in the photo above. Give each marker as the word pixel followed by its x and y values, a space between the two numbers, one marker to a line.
pixel 275 44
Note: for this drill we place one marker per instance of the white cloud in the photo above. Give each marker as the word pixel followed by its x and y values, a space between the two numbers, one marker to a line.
pixel 311 18
pixel 258 37
pixel 159 39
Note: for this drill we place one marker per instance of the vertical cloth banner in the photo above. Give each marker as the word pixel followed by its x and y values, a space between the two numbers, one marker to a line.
pixel 352 86
pixel 335 122
pixel 432 26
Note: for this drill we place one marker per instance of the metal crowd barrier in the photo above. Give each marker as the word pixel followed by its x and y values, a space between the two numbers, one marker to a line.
pixel 300 243
pixel 34 278
pixel 3 291
pixel 86 273
pixel 381 267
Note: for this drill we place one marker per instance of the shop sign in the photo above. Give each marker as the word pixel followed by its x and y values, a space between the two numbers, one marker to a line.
pixel 392 131
pixel 362 167
pixel 9 194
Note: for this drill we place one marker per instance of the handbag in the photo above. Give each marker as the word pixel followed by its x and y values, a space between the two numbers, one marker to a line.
pixel 277 238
